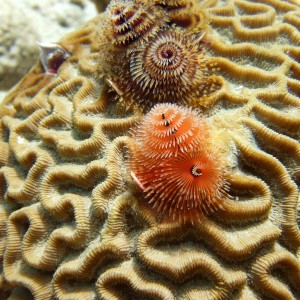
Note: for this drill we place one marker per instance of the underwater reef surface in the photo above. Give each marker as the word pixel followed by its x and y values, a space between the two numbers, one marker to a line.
pixel 75 222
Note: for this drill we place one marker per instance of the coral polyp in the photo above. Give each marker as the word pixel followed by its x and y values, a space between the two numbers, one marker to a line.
pixel 184 187
pixel 168 129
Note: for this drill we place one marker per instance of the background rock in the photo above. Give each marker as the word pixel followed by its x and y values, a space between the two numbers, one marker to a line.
pixel 23 22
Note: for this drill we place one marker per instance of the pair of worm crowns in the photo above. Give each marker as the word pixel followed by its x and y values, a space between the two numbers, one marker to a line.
pixel 153 52
pixel 174 162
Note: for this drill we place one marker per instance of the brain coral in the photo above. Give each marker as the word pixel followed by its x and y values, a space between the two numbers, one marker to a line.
pixel 72 223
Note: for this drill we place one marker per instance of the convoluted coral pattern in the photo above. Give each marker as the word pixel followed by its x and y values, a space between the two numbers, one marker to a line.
pixel 72 223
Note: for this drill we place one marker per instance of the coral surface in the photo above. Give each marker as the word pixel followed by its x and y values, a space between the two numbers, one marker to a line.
pixel 73 225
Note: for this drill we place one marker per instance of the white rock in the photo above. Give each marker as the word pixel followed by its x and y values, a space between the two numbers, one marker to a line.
pixel 23 22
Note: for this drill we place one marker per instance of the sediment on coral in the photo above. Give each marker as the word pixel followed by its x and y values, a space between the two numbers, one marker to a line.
pixel 74 225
